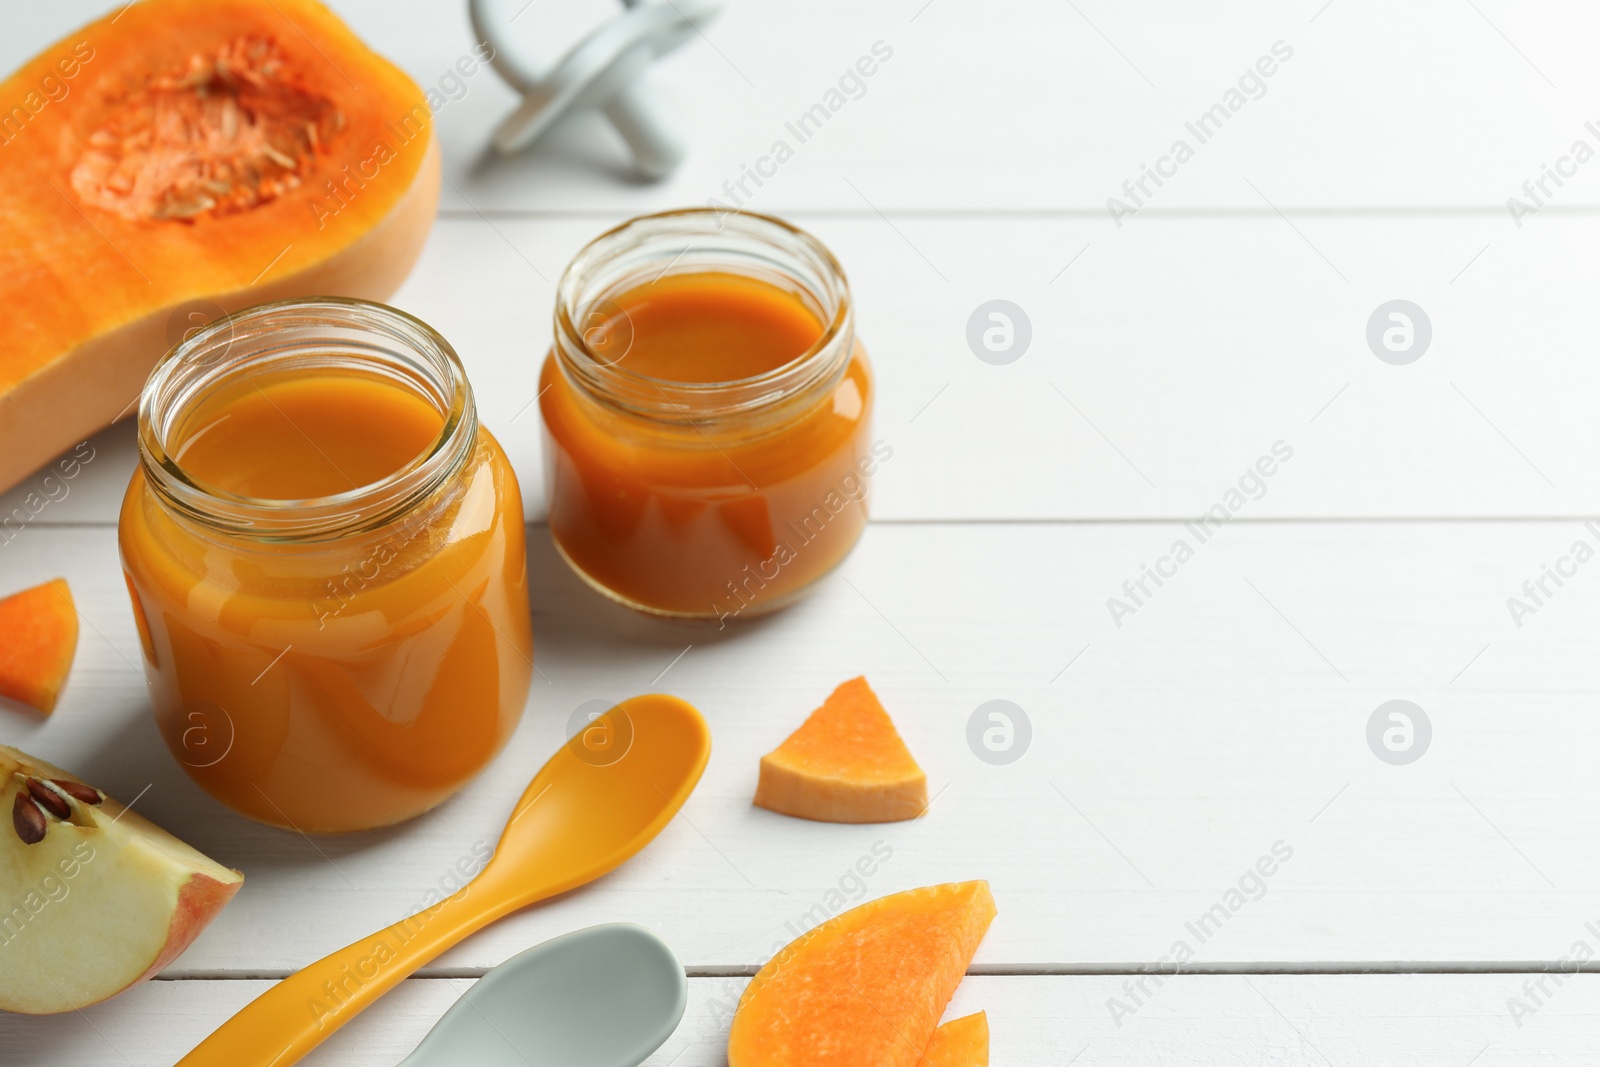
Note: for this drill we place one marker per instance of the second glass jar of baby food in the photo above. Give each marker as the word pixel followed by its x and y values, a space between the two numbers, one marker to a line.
pixel 707 410
pixel 325 556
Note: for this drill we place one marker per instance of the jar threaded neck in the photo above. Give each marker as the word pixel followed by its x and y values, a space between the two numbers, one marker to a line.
pixel 645 249
pixel 307 336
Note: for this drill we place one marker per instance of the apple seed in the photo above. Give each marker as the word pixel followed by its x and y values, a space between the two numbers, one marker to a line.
pixel 88 794
pixel 29 820
pixel 49 799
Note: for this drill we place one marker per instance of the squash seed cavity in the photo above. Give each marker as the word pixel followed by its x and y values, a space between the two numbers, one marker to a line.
pixel 226 133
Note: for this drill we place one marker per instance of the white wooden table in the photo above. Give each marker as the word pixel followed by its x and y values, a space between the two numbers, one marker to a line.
pixel 1226 714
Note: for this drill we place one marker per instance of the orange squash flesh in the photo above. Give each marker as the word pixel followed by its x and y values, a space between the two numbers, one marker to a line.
pixel 38 638
pixel 865 989
pixel 962 1042
pixel 846 764
pixel 178 159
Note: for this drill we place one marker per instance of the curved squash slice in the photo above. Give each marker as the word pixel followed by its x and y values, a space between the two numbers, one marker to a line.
pixel 846 763
pixel 962 1042
pixel 38 639
pixel 178 159
pixel 865 989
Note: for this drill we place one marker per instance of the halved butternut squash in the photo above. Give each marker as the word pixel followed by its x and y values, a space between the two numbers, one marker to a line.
pixel 962 1042
pixel 864 989
pixel 178 159
pixel 846 763
pixel 38 640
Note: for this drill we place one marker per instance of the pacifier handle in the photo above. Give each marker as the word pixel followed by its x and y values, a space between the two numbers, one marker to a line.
pixel 608 70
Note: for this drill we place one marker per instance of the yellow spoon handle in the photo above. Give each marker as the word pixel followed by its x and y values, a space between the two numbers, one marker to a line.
pixel 300 1012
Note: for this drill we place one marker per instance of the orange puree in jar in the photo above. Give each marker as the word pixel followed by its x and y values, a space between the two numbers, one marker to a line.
pixel 302 437
pixel 707 415
pixel 325 555
pixel 711 326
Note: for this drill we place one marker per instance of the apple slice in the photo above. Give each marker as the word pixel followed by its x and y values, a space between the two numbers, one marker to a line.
pixel 846 763
pixel 93 898
pixel 38 638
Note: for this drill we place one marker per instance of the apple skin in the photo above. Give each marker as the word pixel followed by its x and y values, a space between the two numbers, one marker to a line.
pixel 103 902
pixel 199 901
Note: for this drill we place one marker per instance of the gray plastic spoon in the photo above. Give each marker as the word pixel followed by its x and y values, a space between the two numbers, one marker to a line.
pixel 607 996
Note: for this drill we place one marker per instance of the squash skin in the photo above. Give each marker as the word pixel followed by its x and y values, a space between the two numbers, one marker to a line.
pixel 93 295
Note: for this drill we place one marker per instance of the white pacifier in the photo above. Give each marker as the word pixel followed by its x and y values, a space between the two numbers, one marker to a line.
pixel 608 69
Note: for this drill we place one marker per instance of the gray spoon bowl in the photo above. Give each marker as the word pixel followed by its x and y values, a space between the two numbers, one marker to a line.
pixel 608 996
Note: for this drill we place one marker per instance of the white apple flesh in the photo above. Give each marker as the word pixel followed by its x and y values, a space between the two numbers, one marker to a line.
pixel 102 901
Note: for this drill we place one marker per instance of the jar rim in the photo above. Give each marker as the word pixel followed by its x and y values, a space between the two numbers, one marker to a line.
pixel 358 333
pixel 796 255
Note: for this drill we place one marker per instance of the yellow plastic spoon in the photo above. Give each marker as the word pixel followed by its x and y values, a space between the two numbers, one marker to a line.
pixel 599 800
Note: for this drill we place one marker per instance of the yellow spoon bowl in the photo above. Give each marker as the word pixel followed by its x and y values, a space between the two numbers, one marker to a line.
pixel 601 798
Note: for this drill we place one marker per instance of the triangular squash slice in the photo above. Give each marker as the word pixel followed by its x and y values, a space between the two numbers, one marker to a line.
pixel 846 763
pixel 38 638
pixel 962 1042
pixel 864 989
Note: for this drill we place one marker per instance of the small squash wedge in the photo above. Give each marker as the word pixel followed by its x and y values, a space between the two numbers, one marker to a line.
pixel 38 640
pixel 866 988
pixel 179 159
pixel 962 1042
pixel 845 764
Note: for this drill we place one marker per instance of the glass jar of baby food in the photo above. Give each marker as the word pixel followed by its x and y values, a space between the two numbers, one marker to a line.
pixel 325 555
pixel 707 412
